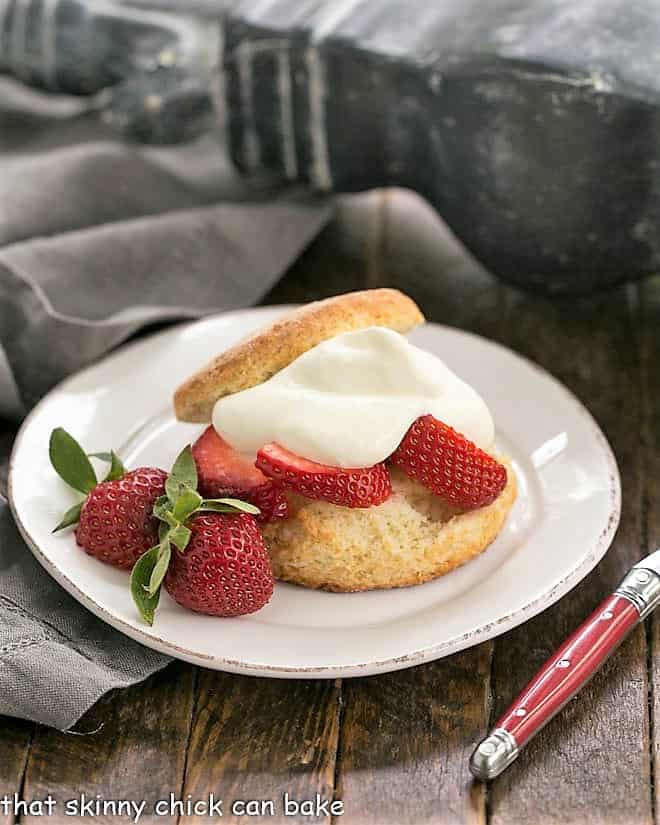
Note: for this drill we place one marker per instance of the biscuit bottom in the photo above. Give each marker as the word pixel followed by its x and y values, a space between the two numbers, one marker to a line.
pixel 410 539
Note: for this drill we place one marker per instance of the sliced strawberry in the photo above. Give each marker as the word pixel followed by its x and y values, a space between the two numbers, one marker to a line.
pixel 450 465
pixel 224 472
pixel 353 487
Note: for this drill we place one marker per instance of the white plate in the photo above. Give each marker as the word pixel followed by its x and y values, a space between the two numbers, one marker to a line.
pixel 562 523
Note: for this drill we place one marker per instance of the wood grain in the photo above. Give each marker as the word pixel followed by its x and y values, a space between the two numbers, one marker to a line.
pixel 130 746
pixel 649 340
pixel 15 736
pixel 406 740
pixel 257 739
pixel 591 763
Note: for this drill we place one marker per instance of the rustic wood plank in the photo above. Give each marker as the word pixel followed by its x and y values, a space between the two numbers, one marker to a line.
pixel 132 747
pixel 406 740
pixel 407 736
pixel 257 739
pixel 16 737
pixel 591 764
pixel 649 337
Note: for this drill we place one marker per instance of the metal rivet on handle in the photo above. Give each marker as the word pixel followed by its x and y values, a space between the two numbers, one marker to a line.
pixel 521 712
pixel 493 754
pixel 607 614
pixel 564 663
pixel 642 576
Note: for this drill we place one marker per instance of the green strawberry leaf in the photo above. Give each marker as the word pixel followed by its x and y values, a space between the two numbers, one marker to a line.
pixel 140 579
pixel 180 536
pixel 187 503
pixel 160 569
pixel 72 516
pixel 163 511
pixel 228 505
pixel 162 508
pixel 70 461
pixel 182 475
pixel 117 469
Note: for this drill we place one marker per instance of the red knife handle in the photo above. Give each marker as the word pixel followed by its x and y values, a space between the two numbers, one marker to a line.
pixel 567 670
pixel 570 667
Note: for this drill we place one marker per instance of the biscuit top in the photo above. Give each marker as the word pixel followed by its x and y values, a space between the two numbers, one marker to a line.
pixel 269 350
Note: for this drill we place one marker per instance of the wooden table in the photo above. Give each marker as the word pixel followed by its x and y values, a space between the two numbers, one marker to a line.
pixel 395 748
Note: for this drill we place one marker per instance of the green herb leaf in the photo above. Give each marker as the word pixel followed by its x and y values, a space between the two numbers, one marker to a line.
pixel 163 511
pixel 160 568
pixel 117 469
pixel 228 505
pixel 72 516
pixel 140 578
pixel 186 504
pixel 182 475
pixel 180 536
pixel 70 461
pixel 162 508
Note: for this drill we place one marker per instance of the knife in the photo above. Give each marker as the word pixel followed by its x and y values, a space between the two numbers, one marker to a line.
pixel 570 668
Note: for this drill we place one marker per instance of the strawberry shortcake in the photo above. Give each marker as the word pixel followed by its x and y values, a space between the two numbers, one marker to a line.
pixel 372 464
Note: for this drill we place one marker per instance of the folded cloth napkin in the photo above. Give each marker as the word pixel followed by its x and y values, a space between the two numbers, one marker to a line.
pixel 97 239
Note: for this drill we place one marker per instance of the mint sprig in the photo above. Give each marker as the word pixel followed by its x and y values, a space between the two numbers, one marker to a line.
pixel 173 510
pixel 73 466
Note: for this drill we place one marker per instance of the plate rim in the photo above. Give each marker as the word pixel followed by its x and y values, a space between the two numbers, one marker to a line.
pixel 532 608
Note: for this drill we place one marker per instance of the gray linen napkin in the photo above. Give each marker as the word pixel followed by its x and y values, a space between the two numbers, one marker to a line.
pixel 97 239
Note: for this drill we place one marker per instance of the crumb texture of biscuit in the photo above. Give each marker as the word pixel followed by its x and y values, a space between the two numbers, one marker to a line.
pixel 259 357
pixel 410 539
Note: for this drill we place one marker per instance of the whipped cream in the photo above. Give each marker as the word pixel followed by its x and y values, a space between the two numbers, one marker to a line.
pixel 349 401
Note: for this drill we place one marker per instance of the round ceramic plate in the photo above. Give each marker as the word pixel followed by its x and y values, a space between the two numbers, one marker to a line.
pixel 562 523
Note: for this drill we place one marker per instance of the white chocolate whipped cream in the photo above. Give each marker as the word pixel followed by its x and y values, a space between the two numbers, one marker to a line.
pixel 350 400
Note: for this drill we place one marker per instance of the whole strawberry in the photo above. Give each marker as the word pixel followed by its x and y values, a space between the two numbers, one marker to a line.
pixel 115 520
pixel 225 569
pixel 450 465
pixel 211 556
